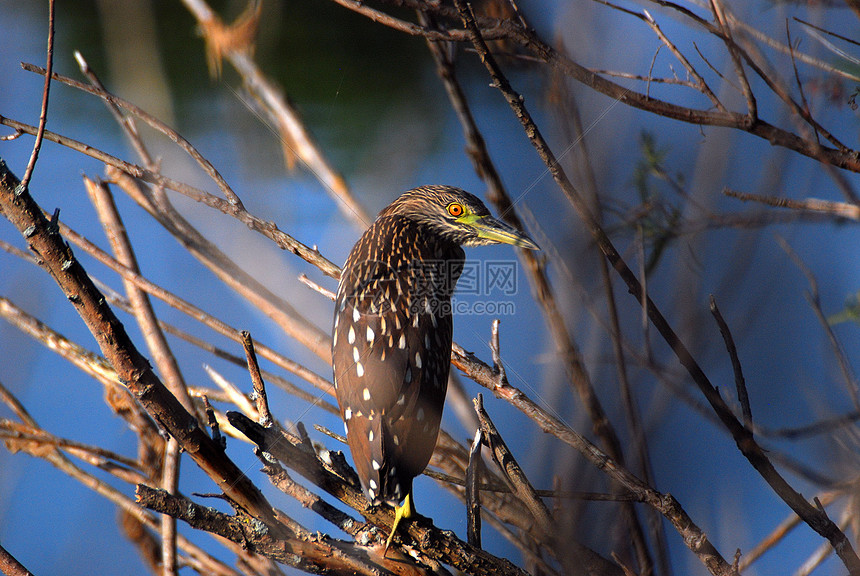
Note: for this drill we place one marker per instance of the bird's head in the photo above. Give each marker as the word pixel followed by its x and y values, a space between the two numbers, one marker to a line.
pixel 456 215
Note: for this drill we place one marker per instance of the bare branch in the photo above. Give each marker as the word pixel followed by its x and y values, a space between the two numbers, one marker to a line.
pixel 333 476
pixel 10 566
pixel 473 494
pixel 836 209
pixel 299 550
pixel 740 382
pixel 257 380
pixel 43 114
pixel 700 83
pixel 734 52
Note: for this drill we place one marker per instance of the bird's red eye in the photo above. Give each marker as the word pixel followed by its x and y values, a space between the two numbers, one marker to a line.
pixel 455 210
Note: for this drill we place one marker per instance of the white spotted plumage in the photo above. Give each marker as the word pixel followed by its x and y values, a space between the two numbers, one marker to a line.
pixel 391 350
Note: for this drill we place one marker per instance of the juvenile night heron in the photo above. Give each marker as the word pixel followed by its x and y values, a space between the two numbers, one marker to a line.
pixel 391 340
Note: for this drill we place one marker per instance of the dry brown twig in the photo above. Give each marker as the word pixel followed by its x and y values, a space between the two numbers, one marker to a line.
pixel 814 205
pixel 43 114
pixel 259 395
pixel 473 495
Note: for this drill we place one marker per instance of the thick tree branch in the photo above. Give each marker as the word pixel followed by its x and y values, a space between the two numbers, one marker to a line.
pixel 334 477
pixel 302 551
pixel 131 367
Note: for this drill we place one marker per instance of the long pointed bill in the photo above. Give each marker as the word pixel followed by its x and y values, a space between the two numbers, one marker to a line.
pixel 497 231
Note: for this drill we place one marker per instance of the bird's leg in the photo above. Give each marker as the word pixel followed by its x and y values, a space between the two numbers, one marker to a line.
pixel 405 510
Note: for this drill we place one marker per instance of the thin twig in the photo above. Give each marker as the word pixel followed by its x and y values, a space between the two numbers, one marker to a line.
pixel 622 496
pixel 322 429
pixel 740 381
pixel 170 483
pixel 43 114
pixel 125 121
pixel 851 383
pixel 497 356
pixel 734 52
pixel 213 423
pixel 238 398
pixel 303 278
pixel 473 494
pixel 701 84
pixel 804 105
pixel 646 78
pixel 512 472
pixel 257 380
pixel 835 209
pixel 823 426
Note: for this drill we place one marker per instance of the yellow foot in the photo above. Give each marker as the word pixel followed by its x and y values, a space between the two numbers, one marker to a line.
pixel 405 510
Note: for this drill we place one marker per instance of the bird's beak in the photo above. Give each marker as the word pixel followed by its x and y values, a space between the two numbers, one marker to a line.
pixel 494 230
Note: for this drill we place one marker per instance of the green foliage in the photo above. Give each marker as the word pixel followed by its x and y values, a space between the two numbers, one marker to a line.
pixel 850 313
pixel 656 217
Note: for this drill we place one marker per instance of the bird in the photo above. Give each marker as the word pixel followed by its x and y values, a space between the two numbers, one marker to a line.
pixel 392 333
